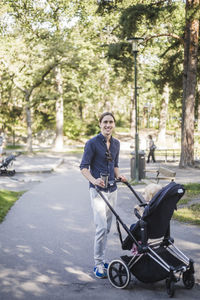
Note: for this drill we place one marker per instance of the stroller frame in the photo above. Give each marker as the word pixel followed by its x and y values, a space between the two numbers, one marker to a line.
pixel 161 254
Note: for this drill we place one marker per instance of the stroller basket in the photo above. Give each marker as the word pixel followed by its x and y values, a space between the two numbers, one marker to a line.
pixel 148 270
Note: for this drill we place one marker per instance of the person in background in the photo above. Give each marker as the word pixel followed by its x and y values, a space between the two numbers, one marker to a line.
pixel 1 145
pixel 152 148
pixel 101 156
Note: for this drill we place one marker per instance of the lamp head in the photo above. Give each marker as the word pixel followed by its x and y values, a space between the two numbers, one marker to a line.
pixel 135 41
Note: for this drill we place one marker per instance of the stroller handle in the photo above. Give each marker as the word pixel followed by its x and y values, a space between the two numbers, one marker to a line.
pixel 132 190
pixel 118 180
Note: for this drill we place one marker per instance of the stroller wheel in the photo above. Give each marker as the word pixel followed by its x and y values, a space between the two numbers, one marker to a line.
pixel 170 287
pixel 11 173
pixel 119 274
pixel 188 279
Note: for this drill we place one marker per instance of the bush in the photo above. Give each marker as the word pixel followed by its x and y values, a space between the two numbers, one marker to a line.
pixel 92 129
pixel 74 129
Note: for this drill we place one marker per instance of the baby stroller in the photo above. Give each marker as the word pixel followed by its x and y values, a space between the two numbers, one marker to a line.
pixel 5 164
pixel 155 257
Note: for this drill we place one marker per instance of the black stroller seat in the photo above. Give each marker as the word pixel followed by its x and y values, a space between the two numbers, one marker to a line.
pixel 155 221
pixel 157 257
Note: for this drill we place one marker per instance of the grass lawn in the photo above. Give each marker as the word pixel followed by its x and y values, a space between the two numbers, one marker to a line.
pixel 7 199
pixel 187 212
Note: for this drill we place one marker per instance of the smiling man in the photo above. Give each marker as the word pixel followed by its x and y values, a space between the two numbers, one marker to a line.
pixel 100 160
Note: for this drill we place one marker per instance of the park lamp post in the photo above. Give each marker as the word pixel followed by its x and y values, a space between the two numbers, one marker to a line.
pixel 135 41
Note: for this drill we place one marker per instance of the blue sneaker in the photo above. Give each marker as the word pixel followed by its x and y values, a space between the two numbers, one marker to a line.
pixel 106 265
pixel 100 271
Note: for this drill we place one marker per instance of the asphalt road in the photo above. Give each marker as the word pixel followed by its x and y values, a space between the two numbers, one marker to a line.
pixel 46 244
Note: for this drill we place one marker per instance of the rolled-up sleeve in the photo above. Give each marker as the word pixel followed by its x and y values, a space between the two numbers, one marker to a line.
pixel 87 156
pixel 116 163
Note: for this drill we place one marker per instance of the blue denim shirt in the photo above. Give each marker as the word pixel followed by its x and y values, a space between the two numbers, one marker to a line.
pixel 94 158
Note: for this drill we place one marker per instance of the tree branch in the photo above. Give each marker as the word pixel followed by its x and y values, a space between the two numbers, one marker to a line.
pixel 12 76
pixel 41 79
pixel 173 35
pixel 159 2
pixel 37 83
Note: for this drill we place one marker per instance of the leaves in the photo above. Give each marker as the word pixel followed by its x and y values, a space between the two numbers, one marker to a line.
pixel 88 40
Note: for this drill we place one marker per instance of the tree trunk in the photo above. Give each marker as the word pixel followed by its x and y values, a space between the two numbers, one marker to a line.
pixel 189 83
pixel 163 117
pixel 198 124
pixel 59 110
pixel 29 122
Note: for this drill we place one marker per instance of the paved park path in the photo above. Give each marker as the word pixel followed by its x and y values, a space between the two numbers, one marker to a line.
pixel 46 243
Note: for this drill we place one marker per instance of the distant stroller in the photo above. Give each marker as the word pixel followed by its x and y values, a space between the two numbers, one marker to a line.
pixel 4 171
pixel 156 259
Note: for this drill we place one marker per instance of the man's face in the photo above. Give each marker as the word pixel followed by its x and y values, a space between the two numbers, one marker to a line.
pixel 107 125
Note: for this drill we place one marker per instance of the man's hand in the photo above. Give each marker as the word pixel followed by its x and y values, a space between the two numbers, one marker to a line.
pixel 122 178
pixel 99 182
pixel 89 177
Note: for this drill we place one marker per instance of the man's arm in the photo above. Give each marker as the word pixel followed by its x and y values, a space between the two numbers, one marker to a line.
pixel 118 176
pixel 86 173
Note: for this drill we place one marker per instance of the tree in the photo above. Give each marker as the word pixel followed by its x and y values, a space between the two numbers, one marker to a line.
pixel 159 15
pixel 59 109
pixel 191 43
pixel 163 117
pixel 42 34
pixel 86 45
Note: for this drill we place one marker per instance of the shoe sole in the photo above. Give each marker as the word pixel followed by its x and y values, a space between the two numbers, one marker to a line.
pixel 100 277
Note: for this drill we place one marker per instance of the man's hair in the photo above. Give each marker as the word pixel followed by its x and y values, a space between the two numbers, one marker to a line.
pixel 106 114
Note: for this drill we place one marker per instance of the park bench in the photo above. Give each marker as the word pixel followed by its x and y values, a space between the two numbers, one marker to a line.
pixel 161 173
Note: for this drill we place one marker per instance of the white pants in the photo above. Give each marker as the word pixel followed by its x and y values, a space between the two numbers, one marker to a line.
pixel 103 221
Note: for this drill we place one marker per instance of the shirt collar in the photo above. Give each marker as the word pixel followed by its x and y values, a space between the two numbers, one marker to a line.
pixel 103 137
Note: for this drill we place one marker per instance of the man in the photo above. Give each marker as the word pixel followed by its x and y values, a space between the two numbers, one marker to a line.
pixel 101 156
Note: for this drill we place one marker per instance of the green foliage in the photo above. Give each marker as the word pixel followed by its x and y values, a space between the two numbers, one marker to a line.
pixel 13 147
pixel 92 129
pixel 88 41
pixel 150 18
pixel 74 128
pixel 188 214
pixel 132 17
pixel 7 199
pixel 183 201
pixel 192 189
